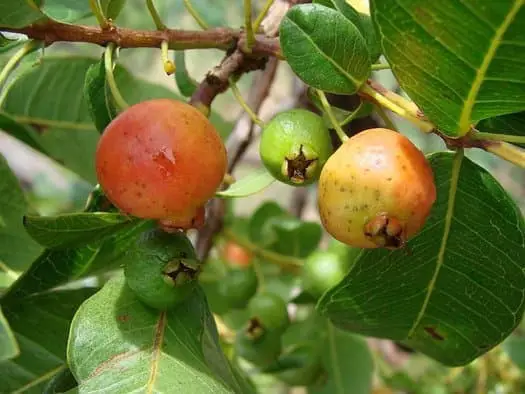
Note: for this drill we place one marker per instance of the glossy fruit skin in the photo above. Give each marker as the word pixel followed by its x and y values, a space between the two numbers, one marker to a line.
pixel 150 262
pixel 376 190
pixel 238 287
pixel 285 137
pixel 322 271
pixel 270 312
pixel 236 255
pixel 161 159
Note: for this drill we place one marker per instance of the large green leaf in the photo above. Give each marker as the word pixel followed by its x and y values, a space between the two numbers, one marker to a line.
pixel 41 326
pixel 460 61
pixel 112 8
pixel 75 229
pixel 8 345
pixel 118 342
pixel 66 10
pixel 251 184
pixel 324 48
pixel 459 290
pixel 58 266
pixel 18 13
pixel 17 249
pixel 347 362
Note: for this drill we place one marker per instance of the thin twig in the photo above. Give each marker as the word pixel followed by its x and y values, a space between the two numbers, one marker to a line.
pixel 155 15
pixel 195 15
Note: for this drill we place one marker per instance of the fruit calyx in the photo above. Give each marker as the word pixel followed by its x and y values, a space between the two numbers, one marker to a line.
pixel 254 329
pixel 300 166
pixel 385 231
pixel 181 271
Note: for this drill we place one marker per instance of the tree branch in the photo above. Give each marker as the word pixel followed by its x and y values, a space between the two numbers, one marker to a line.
pixel 219 38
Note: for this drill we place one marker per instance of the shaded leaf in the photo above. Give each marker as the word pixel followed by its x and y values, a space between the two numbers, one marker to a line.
pixel 506 124
pixel 60 383
pixel 42 316
pixel 250 184
pixel 514 346
pixel 332 59
pixel 101 108
pixel 8 345
pixel 117 341
pixel 75 229
pixel 55 267
pixel 23 133
pixel 460 61
pixel 7 44
pixel 18 13
pixel 112 8
pixel 17 249
pixel 66 10
pixel 460 291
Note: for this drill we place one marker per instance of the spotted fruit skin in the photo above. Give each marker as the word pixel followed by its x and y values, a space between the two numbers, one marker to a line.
pixel 376 181
pixel 161 159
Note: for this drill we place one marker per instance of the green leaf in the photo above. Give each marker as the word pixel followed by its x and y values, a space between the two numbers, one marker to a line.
pixel 66 10
pixel 295 237
pixel 101 108
pixel 324 48
pixel 118 342
pixel 60 383
pixel 514 346
pixel 251 184
pixel 21 132
pixel 6 44
pixel 460 61
pixel 513 124
pixel 347 362
pixel 345 9
pixel 260 225
pixel 112 8
pixel 8 345
pixel 41 326
pixel 55 267
pixel 340 114
pixel 460 288
pixel 186 84
pixel 17 249
pixel 18 13
pixel 371 38
pixel 74 229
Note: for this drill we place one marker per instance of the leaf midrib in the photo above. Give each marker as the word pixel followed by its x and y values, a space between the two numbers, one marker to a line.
pixel 321 52
pixel 456 168
pixel 466 114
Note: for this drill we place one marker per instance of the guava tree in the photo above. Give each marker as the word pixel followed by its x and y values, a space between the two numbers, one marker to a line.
pixel 158 283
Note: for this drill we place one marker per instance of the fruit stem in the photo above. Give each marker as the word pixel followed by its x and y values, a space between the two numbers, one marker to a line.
pixel 169 67
pixel 398 105
pixel 250 36
pixel 386 119
pixel 97 11
pixel 110 78
pixel 195 15
pixel 286 262
pixel 261 15
pixel 259 274
pixel 380 66
pixel 328 110
pixel 11 64
pixel 244 104
pixel 155 15
pixel 509 152
pixel 519 139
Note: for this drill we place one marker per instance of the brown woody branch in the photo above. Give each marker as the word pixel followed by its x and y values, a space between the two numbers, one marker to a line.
pixel 220 38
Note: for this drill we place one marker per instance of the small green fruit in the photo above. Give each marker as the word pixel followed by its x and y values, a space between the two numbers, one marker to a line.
pixel 239 285
pixel 304 366
pixel 161 268
pixel 268 312
pixel 294 147
pixel 261 351
pixel 322 271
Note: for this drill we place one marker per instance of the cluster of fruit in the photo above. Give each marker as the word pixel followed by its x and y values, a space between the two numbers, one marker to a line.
pixel 163 159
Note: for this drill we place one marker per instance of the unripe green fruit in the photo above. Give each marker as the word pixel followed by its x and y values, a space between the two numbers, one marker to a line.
pixel 239 285
pixel 306 366
pixel 161 269
pixel 294 147
pixel 322 271
pixel 269 312
pixel 261 351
